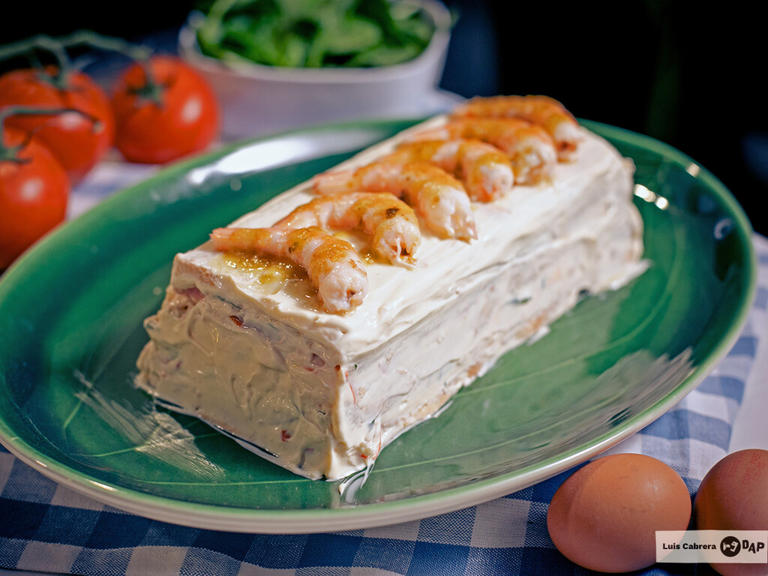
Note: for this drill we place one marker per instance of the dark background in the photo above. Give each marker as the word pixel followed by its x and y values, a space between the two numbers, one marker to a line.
pixel 690 74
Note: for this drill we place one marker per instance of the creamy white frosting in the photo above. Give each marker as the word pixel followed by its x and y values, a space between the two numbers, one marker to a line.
pixel 322 393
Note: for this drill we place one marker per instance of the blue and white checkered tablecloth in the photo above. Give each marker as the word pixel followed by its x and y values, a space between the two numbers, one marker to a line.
pixel 46 527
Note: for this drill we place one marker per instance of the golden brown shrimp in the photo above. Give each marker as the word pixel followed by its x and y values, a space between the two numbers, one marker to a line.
pixel 530 148
pixel 485 171
pixel 332 264
pixel 388 221
pixel 542 110
pixel 438 198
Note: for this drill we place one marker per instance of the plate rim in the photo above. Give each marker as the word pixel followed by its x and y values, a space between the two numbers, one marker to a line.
pixel 314 520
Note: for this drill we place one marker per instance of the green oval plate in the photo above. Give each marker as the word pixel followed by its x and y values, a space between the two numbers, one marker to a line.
pixel 71 314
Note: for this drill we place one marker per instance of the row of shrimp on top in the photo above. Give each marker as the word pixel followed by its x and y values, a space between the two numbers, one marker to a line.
pixel 430 179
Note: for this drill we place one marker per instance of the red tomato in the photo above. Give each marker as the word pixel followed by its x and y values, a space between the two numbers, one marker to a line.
pixel 34 190
pixel 76 142
pixel 182 120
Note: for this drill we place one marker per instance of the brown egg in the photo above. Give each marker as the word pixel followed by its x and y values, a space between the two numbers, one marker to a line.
pixel 605 515
pixel 734 496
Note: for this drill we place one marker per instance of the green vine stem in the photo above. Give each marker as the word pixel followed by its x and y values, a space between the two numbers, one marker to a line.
pixel 46 43
pixel 11 153
pixel 58 48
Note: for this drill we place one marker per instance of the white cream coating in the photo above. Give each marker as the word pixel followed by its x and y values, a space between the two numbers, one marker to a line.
pixel 343 386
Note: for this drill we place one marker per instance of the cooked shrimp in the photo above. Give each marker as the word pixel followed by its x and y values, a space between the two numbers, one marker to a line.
pixel 485 171
pixel 528 145
pixel 332 264
pixel 438 198
pixel 541 110
pixel 390 222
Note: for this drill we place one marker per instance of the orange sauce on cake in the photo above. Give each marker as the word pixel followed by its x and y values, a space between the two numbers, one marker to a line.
pixel 264 269
pixel 274 274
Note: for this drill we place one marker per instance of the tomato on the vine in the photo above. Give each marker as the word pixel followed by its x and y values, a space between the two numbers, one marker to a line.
pixel 34 190
pixel 77 141
pixel 164 115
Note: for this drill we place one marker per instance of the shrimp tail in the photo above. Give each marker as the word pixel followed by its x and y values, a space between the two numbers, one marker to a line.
pixel 244 239
pixel 333 182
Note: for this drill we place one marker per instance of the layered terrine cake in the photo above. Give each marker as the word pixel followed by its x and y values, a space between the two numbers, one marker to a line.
pixel 324 324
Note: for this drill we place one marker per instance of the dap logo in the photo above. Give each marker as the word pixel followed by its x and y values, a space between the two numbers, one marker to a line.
pixel 730 546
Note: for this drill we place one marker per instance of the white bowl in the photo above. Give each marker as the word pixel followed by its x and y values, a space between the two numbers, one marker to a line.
pixel 257 99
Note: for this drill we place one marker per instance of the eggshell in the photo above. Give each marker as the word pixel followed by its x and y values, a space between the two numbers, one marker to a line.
pixel 605 515
pixel 734 496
